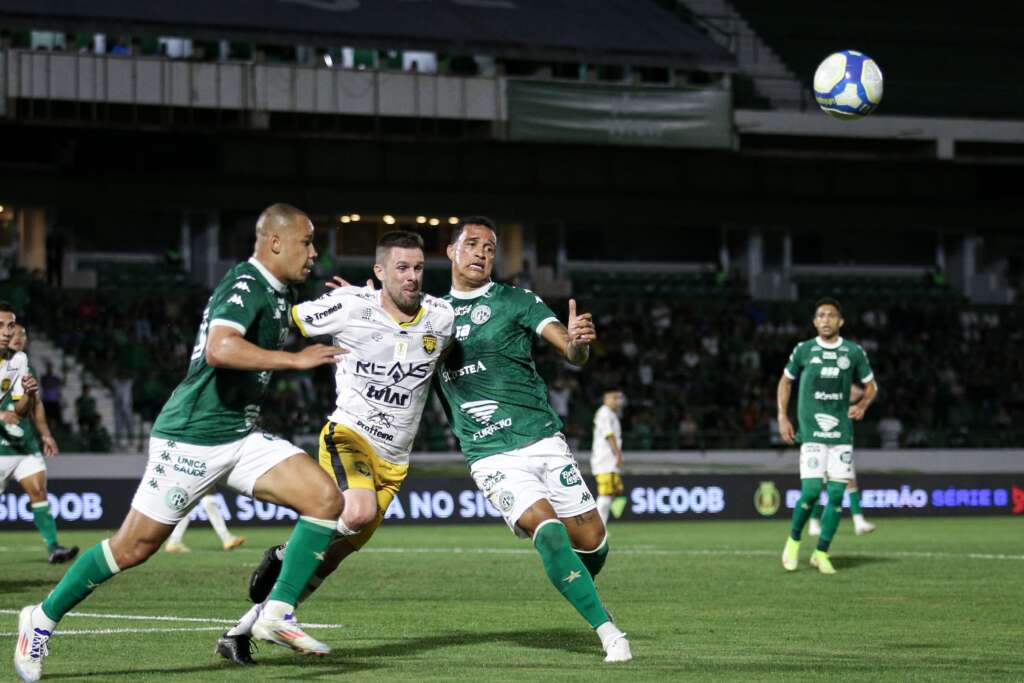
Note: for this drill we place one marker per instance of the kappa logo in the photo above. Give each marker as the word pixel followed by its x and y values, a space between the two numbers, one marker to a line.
pixel 236 300
pixel 826 422
pixel 481 411
pixel 242 285
pixel 815 361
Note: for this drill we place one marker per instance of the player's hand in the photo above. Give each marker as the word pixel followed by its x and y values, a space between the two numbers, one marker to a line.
pixel 856 412
pixel 786 430
pixel 316 355
pixel 9 417
pixel 581 327
pixel 338 281
pixel 618 461
pixel 50 446
pixel 29 384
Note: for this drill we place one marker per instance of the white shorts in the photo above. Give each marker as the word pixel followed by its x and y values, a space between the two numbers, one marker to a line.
pixel 544 470
pixel 19 467
pixel 179 474
pixel 832 463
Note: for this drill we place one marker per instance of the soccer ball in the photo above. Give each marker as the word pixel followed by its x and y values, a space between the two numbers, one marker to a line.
pixel 848 85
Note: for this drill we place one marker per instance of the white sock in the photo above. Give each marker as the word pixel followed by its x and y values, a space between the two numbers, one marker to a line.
pixel 279 553
pixel 344 529
pixel 179 531
pixel 40 620
pixel 216 520
pixel 859 520
pixel 276 609
pixel 244 625
pixel 608 632
pixel 604 506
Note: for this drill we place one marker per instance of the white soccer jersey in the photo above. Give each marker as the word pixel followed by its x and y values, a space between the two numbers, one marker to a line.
pixel 383 381
pixel 12 370
pixel 602 458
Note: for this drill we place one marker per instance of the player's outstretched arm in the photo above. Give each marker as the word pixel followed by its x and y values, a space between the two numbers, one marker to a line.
pixel 786 430
pixel 858 409
pixel 572 341
pixel 227 348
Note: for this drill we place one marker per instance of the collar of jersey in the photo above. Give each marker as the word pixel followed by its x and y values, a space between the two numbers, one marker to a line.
pixel 471 294
pixel 273 281
pixel 835 345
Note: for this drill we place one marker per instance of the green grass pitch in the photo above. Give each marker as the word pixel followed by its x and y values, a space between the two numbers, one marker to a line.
pixel 920 599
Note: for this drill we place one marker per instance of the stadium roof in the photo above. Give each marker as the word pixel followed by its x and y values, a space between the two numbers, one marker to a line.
pixel 594 31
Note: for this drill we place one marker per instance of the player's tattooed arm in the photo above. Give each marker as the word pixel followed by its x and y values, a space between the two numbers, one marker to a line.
pixel 572 341
pixel 27 403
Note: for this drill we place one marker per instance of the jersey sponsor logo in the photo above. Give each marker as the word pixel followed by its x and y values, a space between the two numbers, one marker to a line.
pixel 828 355
pixel 830 373
pixel 815 361
pixel 481 411
pixel 320 315
pixel 570 476
pixel 375 431
pixel 429 343
pixel 395 371
pixel 492 428
pixel 241 284
pixel 367 314
pixel 480 314
pixel 387 396
pixel 843 362
pixel 463 309
pixel 236 300
pixel 828 396
pixel 190 466
pixel 491 480
pixel 471 369
pixel 826 422
pixel 386 420
pixel 462 331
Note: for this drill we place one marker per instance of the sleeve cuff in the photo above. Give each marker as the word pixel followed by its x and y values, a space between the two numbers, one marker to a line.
pixel 788 374
pixel 298 321
pixel 544 323
pixel 221 322
pixel 870 377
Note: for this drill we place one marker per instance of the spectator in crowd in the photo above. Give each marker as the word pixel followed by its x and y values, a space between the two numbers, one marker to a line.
pixel 85 408
pixel 890 428
pixel 123 406
pixel 50 388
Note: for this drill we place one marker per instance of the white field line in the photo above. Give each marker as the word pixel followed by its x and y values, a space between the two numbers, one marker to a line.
pixel 143 617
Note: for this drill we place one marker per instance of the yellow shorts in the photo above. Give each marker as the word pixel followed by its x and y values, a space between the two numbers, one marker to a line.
pixel 609 484
pixel 354 464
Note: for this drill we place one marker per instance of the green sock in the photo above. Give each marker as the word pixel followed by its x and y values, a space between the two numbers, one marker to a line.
pixel 593 560
pixel 92 568
pixel 833 512
pixel 817 511
pixel 810 491
pixel 45 523
pixel 567 573
pixel 306 547
pixel 855 503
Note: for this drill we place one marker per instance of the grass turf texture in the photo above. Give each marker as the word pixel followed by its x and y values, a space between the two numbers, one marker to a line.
pixel 927 599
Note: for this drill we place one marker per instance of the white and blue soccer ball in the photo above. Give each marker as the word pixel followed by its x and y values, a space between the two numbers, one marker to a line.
pixel 848 85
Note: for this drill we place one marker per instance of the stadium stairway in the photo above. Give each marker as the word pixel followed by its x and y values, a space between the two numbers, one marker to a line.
pixel 772 79
pixel 42 350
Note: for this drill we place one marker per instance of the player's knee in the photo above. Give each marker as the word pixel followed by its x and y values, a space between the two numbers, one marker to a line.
pixel 133 554
pixel 324 503
pixel 357 518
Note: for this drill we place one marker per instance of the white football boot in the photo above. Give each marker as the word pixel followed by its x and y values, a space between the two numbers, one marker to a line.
pixel 31 647
pixel 287 632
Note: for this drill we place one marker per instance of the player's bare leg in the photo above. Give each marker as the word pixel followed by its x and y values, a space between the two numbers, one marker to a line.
pixel 567 571
pixel 860 525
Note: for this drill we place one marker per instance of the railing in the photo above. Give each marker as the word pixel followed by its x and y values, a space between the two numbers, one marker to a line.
pixel 245 86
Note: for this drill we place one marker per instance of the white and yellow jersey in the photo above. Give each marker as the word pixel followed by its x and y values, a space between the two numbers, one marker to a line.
pixel 384 379
pixel 602 457
pixel 12 369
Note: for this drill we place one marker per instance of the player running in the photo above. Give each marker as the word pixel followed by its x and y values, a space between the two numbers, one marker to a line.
pixel 21 453
pixel 606 454
pixel 498 408
pixel 395 337
pixel 826 366
pixel 206 433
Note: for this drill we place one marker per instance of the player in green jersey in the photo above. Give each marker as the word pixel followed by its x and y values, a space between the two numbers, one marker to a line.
pixel 22 457
pixel 498 409
pixel 207 433
pixel 826 365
